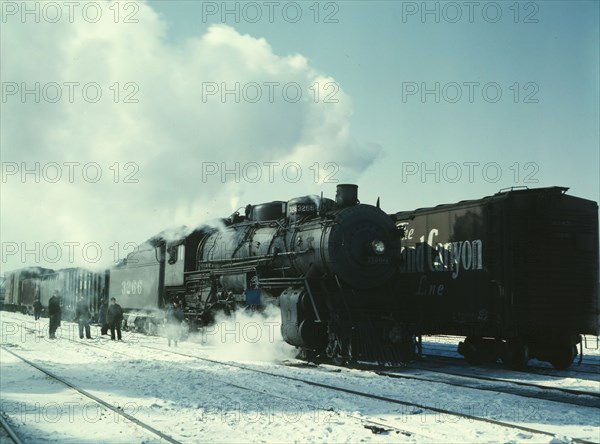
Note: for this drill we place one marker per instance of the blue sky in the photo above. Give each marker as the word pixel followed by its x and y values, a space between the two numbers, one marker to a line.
pixel 373 58
pixel 550 55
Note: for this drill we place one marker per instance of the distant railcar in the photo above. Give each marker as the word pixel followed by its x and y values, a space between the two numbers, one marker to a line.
pixel 70 284
pixel 21 287
pixel 516 273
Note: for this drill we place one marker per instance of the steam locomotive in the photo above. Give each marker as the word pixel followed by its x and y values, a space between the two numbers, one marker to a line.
pixel 326 263
pixel 516 273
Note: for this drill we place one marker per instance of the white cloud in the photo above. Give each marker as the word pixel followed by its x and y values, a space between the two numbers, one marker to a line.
pixel 173 130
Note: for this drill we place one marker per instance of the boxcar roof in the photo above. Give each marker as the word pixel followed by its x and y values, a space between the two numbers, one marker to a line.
pixel 502 194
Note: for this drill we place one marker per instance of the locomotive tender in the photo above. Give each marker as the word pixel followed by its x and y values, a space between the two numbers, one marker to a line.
pixel 516 273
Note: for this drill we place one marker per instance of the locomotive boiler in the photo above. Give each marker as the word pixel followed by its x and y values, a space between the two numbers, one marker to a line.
pixel 325 263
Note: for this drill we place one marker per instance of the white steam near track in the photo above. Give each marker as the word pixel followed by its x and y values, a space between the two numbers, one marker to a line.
pixel 247 336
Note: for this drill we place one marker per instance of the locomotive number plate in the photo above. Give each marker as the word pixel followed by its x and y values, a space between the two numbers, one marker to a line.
pixel 303 208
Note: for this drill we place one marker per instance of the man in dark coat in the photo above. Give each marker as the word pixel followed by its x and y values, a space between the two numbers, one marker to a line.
pixel 102 317
pixel 83 316
pixel 174 317
pixel 37 308
pixel 114 317
pixel 54 313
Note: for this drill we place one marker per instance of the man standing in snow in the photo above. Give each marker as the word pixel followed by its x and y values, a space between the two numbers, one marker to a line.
pixel 114 317
pixel 82 316
pixel 102 317
pixel 54 313
pixel 174 317
pixel 37 308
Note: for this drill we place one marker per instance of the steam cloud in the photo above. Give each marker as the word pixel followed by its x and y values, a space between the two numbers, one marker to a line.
pixel 247 336
pixel 165 139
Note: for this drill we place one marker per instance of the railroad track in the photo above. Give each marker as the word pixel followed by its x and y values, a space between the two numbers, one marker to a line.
pixel 374 426
pixel 590 366
pixel 374 397
pixel 433 363
pixel 499 385
pixel 557 394
pixel 565 395
pixel 10 432
pixel 359 393
pixel 581 398
pixel 588 370
pixel 103 403
pixel 592 372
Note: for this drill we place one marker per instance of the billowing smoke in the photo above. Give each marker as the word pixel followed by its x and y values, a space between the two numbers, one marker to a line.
pixel 86 180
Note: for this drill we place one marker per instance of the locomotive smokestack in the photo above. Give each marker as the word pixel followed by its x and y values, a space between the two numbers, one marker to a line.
pixel 346 195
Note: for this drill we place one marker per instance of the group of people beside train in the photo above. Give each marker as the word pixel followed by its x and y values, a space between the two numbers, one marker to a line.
pixel 110 317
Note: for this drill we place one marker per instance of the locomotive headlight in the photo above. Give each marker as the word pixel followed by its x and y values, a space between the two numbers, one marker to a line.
pixel 378 246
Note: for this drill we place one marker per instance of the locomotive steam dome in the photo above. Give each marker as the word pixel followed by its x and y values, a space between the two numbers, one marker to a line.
pixel 266 211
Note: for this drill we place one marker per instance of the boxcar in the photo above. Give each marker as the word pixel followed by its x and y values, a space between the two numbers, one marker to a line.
pixel 516 273
pixel 21 287
pixel 70 283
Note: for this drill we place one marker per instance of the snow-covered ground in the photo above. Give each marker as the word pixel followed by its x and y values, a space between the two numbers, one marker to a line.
pixel 194 400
